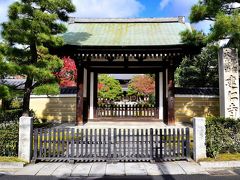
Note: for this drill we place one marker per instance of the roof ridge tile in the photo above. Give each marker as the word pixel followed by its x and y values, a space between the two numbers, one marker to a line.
pixel 125 20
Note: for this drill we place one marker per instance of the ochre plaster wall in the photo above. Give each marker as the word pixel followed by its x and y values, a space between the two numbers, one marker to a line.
pixel 192 106
pixel 62 108
pixel 54 108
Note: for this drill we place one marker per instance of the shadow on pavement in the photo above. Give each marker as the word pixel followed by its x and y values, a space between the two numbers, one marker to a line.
pixel 236 170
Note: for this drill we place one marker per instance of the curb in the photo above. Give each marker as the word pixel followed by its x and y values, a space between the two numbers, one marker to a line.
pixel 220 164
pixel 11 165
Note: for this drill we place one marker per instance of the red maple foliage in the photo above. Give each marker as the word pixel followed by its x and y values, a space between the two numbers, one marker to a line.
pixel 68 74
pixel 100 86
pixel 143 84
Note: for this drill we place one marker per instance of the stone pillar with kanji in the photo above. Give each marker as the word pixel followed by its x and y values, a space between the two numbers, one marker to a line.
pixel 229 83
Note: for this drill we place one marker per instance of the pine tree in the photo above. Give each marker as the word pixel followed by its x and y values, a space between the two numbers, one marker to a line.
pixel 6 69
pixel 32 29
pixel 200 70
pixel 226 17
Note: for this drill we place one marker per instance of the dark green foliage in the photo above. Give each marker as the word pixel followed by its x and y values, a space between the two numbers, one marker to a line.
pixel 151 99
pixel 131 91
pixel 9 116
pixel 47 89
pixel 193 38
pixel 4 92
pixel 226 19
pixel 9 140
pixel 32 29
pixel 5 69
pixel 200 70
pixel 227 27
pixel 208 9
pixel 9 132
pixel 222 136
pixel 9 128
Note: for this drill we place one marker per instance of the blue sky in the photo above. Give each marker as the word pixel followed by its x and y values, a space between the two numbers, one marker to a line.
pixel 166 8
pixel 125 9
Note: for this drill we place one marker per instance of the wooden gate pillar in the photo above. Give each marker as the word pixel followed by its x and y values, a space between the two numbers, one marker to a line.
pixel 92 96
pixel 157 87
pixel 95 93
pixel 79 105
pixel 171 95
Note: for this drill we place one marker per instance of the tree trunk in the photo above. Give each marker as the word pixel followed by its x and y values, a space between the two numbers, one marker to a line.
pixel 26 96
pixel 29 81
pixel 3 104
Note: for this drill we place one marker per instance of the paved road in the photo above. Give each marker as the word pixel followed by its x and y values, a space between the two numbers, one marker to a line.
pixel 127 171
pixel 162 177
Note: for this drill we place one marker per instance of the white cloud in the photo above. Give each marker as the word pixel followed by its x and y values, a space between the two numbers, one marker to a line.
pixel 107 8
pixel 93 8
pixel 164 3
pixel 118 9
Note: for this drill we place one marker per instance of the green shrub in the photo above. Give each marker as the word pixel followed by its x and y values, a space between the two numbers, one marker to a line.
pixel 151 100
pixel 9 140
pixel 16 104
pixel 10 115
pixel 222 136
pixel 9 132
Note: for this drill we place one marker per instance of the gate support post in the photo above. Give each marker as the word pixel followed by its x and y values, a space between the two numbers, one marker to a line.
pixel 80 104
pixel 25 138
pixel 171 95
pixel 199 133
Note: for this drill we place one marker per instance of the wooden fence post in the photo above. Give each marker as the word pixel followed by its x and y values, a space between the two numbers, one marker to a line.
pixel 151 144
pixel 109 143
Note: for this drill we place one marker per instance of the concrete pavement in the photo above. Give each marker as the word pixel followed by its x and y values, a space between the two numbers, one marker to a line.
pixel 178 170
pixel 99 169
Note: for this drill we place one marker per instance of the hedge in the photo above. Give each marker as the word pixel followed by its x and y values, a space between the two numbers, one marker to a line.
pixel 222 136
pixel 10 116
pixel 9 132
pixel 9 140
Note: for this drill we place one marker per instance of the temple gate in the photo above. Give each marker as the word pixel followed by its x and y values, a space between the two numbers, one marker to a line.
pixel 150 45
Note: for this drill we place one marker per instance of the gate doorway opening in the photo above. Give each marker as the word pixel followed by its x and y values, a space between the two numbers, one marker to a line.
pixel 126 96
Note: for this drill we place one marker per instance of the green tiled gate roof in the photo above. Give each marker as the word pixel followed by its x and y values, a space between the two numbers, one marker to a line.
pixel 125 32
